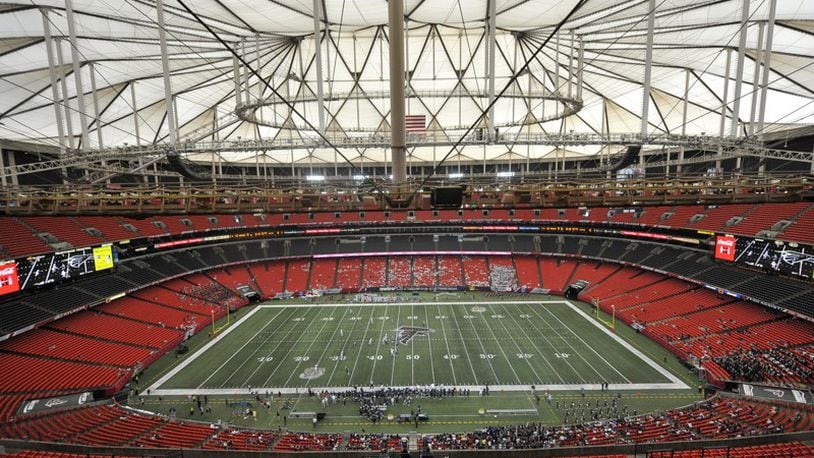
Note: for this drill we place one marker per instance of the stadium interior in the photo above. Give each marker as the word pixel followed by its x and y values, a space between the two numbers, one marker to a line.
pixel 407 228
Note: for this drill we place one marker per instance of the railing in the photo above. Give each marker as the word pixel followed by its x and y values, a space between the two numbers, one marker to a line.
pixel 346 194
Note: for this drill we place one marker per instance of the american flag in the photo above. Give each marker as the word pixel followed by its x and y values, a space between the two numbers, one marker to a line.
pixel 416 124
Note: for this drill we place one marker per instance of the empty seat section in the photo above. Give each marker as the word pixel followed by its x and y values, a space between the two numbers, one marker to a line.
pixel 349 273
pixel 424 271
pixel 18 240
pixel 449 271
pixel 715 217
pixel 528 275
pixel 374 272
pixel 122 431
pixel 109 227
pixel 556 272
pixel 64 228
pixel 270 276
pixel 592 272
pixel 51 344
pixel 323 273
pixel 764 216
pixel 476 272
pixel 651 216
pixel 297 275
pixel 399 274
pixel 141 310
pixel 681 215
pixel 176 435
pixel 28 374
pixel 119 330
pixel 173 224
pixel 802 229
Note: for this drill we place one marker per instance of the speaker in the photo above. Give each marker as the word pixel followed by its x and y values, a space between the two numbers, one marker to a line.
pixel 447 197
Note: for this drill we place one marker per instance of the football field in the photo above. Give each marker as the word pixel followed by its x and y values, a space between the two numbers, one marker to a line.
pixel 506 345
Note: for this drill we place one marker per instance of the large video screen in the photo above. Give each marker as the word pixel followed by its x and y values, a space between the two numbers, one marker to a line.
pixel 782 257
pixel 58 267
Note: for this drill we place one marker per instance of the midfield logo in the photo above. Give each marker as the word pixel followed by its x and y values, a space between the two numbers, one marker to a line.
pixel 406 333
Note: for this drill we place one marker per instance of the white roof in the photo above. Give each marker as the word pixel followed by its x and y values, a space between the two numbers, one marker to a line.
pixel 445 39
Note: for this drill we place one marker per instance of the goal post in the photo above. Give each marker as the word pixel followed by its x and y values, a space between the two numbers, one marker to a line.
pixel 610 324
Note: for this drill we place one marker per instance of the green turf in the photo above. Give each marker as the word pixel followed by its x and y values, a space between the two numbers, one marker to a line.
pixel 504 344
pixel 449 414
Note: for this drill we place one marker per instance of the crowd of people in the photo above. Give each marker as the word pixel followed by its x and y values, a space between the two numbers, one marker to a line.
pixel 714 418
pixel 776 365
pixel 374 402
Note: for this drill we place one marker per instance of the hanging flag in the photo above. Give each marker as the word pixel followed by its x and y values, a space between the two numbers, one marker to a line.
pixel 416 124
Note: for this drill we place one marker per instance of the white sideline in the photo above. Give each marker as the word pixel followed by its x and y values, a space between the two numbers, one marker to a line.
pixel 156 390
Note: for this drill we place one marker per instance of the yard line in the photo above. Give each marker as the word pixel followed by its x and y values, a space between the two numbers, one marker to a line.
pixel 308 349
pixel 412 350
pixel 241 348
pixel 483 349
pixel 590 348
pixel 429 342
pixel 528 360
pixel 497 342
pixel 463 342
pixel 446 342
pixel 378 343
pixel 574 350
pixel 282 360
pixel 251 357
pixel 395 338
pixel 330 342
pixel 345 344
pixel 578 373
pixel 361 344
pixel 536 348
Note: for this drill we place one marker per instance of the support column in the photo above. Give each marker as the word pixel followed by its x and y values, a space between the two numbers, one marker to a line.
pixel 580 60
pixel 96 114
pixel 756 78
pixel 556 65
pixel 318 61
pixel 684 116
pixel 492 48
pixel 248 95
pixel 12 162
pixel 165 69
pixel 767 66
pixel 725 101
pixel 66 101
pixel 648 70
pixel 733 128
pixel 236 71
pixel 52 73
pixel 259 83
pixel 135 112
pixel 398 143
pixel 571 66
pixel 77 74
pixel 3 168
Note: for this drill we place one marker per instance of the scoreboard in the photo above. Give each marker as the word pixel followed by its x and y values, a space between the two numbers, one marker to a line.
pixel 51 268
pixel 772 255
